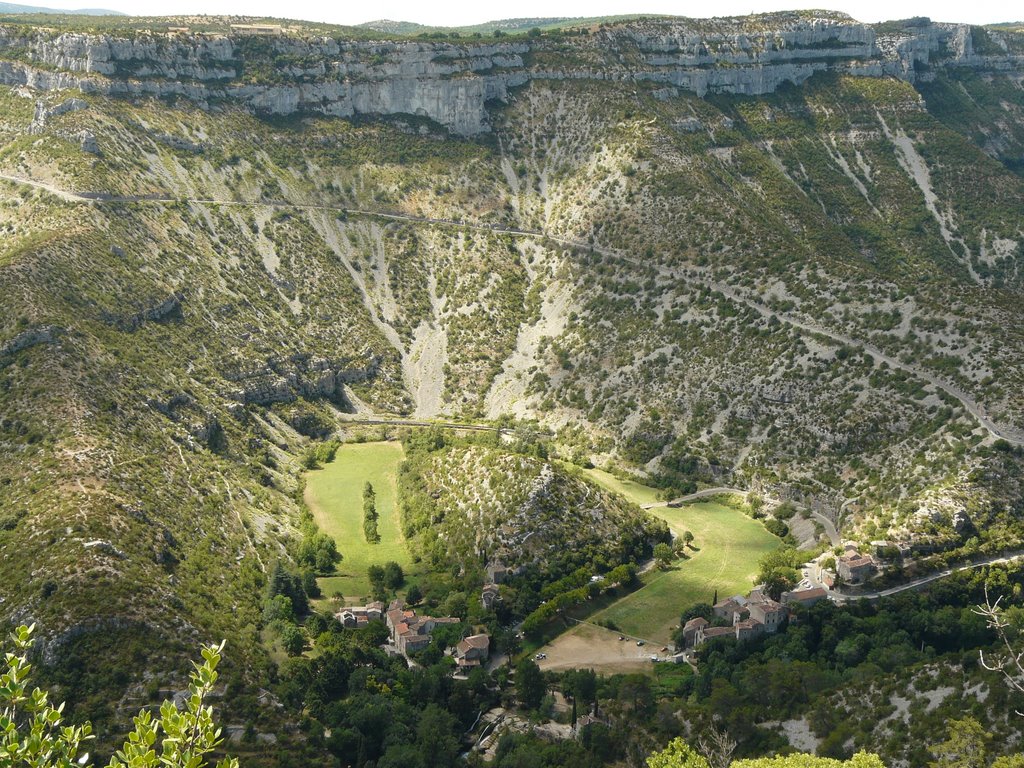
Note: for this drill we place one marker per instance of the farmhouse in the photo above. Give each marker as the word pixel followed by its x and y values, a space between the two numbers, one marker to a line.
pixel 360 616
pixel 410 632
pixel 750 616
pixel 472 651
pixel 855 568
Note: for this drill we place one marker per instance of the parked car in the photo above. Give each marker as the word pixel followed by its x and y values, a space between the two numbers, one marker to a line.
pixel 639 642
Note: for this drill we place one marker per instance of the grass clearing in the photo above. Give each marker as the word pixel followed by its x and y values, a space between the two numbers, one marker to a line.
pixel 335 497
pixel 630 489
pixel 729 546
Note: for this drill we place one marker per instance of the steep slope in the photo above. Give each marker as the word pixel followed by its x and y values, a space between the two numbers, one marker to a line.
pixel 475 505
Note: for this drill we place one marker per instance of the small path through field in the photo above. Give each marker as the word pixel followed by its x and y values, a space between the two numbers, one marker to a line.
pixel 1013 434
pixel 828 525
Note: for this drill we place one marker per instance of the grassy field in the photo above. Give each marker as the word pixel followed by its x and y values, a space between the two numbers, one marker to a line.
pixel 335 496
pixel 729 545
pixel 635 492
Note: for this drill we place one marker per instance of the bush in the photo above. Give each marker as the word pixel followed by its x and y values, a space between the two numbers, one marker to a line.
pixel 38 737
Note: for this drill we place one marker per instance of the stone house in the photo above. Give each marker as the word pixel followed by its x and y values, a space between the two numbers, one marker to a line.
pixel 691 628
pixel 472 651
pixel 705 634
pixel 732 609
pixel 496 572
pixel 855 568
pixel 360 616
pixel 768 613
pixel 489 596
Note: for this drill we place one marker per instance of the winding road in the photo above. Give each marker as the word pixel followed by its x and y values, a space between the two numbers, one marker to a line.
pixel 377 420
pixel 1013 434
pixel 840 597
pixel 828 525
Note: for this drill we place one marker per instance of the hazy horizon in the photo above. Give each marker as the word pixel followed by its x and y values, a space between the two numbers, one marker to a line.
pixel 467 14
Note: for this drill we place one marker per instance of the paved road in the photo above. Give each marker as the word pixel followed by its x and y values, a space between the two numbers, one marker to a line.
pixel 382 421
pixel 839 597
pixel 1013 434
pixel 702 494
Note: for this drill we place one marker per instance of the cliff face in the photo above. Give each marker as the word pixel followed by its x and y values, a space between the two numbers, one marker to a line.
pixel 452 83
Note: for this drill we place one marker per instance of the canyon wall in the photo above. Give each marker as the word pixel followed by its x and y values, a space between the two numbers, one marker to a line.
pixel 452 82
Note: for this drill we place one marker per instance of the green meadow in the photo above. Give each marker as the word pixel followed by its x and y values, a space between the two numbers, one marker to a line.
pixel 334 494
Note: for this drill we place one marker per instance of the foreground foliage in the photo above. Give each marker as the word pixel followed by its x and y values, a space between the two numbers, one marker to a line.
pixel 32 733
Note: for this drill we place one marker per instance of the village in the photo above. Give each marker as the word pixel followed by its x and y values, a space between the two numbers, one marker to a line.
pixel 742 617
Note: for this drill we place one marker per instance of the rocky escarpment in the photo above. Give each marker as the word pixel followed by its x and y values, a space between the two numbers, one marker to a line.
pixel 285 380
pixel 452 83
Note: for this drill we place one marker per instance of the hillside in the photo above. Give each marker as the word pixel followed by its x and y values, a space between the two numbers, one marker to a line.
pixel 474 506
pixel 781 252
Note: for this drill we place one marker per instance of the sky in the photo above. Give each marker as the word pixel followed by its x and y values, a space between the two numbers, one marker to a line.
pixel 464 12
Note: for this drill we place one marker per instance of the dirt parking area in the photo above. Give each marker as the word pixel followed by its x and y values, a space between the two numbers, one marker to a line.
pixel 586 646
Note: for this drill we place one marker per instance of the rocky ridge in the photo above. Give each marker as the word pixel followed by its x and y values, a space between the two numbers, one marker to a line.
pixel 452 83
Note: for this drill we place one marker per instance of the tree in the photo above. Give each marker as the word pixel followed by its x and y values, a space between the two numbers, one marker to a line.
pixel 716 747
pixel 530 686
pixel 966 746
pixel 414 594
pixel 678 754
pixel 370 515
pixel 777 582
pixel 435 737
pixel 663 554
pixel 309 585
pixel 278 610
pixel 687 538
pixel 292 640
pixel 1012 665
pixel 32 732
pixel 393 575
pixel 318 551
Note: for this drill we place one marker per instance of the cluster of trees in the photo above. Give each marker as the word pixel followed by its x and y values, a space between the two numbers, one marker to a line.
pixel 286 603
pixel 321 453
pixel 370 514
pixel 385 579
pixel 780 570
pixel 621 575
pixel 376 710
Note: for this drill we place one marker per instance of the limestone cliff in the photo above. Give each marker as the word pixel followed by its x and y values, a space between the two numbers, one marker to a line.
pixel 451 83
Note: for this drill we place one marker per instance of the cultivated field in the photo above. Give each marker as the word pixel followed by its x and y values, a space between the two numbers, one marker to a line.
pixel 728 547
pixel 335 496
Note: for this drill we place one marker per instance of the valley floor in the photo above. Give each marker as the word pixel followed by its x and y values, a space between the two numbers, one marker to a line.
pixel 334 494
